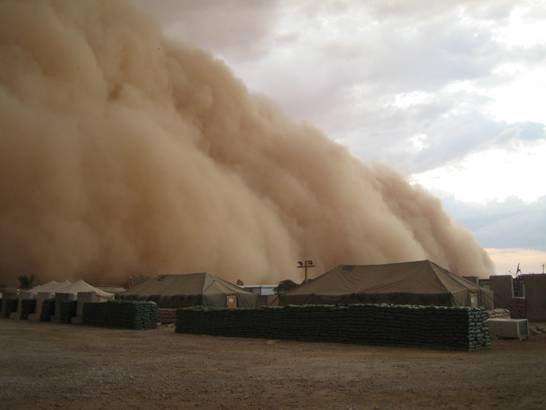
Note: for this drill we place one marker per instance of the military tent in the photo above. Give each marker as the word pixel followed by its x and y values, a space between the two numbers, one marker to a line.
pixel 70 287
pixel 413 283
pixel 181 290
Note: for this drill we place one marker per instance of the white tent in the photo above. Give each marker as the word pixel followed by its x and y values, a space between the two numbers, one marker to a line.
pixel 69 287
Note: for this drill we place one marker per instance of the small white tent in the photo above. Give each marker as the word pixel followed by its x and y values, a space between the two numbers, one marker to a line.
pixel 69 287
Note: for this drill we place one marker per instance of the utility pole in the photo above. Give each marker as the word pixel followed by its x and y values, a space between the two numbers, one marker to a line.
pixel 307 263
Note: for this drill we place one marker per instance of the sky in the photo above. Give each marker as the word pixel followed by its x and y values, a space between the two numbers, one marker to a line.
pixel 450 94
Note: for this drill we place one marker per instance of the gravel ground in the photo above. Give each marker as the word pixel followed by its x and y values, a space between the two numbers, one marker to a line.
pixel 45 365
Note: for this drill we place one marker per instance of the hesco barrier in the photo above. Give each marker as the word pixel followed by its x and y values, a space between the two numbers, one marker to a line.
pixel 28 306
pixel 48 310
pixel 10 306
pixel 67 310
pixel 458 328
pixel 121 314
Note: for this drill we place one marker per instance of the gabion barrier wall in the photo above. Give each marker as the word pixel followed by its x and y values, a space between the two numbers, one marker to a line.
pixel 10 306
pixel 28 306
pixel 121 314
pixel 48 310
pixel 458 328
pixel 67 310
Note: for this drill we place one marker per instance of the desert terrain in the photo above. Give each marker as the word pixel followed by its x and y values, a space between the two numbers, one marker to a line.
pixel 46 365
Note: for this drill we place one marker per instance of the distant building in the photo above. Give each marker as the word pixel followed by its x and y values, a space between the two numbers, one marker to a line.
pixel 262 290
pixel 267 294
pixel 524 295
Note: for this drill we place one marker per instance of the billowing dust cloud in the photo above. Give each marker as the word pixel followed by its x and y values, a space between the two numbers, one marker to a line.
pixel 124 153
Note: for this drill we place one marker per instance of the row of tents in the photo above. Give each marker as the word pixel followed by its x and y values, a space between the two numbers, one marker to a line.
pixel 29 303
pixel 407 283
pixel 415 283
pixel 52 288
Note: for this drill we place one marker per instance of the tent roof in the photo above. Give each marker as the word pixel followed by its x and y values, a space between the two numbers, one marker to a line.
pixel 421 277
pixel 51 287
pixel 82 286
pixel 45 287
pixel 69 287
pixel 189 284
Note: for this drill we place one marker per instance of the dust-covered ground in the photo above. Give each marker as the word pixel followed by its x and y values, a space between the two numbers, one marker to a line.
pixel 45 365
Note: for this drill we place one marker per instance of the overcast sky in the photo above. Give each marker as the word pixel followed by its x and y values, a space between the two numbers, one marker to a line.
pixel 449 93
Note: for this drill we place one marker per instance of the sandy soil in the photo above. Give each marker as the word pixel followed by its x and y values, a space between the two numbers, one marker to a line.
pixel 45 365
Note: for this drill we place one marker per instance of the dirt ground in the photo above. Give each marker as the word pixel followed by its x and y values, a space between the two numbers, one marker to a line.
pixel 45 365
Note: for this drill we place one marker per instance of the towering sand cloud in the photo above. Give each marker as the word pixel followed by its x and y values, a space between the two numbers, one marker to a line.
pixel 122 152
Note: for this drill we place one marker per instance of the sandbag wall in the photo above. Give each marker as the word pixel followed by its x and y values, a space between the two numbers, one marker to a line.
pixel 121 314
pixel 458 328
pixel 166 302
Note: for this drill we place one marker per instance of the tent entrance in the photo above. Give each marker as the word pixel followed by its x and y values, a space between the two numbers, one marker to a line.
pixel 231 301
pixel 473 299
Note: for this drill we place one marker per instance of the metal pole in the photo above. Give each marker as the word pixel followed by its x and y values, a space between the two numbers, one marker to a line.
pixel 305 264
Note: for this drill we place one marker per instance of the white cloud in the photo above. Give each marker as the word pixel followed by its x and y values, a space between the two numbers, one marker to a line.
pixel 522 29
pixel 492 175
pixel 411 99
pixel 502 224
pixel 463 86
pixel 419 142
pixel 522 97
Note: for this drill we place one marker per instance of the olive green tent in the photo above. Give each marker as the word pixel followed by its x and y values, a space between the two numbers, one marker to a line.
pixel 414 283
pixel 182 290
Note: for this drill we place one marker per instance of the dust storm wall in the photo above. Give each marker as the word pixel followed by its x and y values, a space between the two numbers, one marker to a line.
pixel 122 152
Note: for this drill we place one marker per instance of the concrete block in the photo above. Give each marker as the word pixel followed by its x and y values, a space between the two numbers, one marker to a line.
pixel 509 328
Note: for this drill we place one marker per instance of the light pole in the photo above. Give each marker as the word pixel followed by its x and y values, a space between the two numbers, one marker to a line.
pixel 304 265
